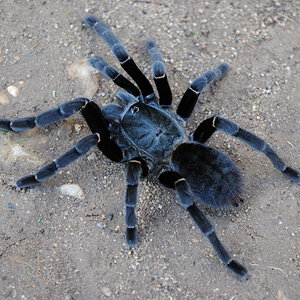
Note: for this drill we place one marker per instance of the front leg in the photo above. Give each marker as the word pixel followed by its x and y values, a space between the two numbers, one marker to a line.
pixel 48 117
pixel 101 65
pixel 99 124
pixel 159 75
pixel 121 54
pixel 189 99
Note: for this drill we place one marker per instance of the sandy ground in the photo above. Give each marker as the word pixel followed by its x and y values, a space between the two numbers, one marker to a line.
pixel 57 246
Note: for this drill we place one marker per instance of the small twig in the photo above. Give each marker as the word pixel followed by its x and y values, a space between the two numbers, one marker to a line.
pixel 289 18
pixel 36 44
pixel 150 2
pixel 290 144
pixel 11 245
pixel 274 268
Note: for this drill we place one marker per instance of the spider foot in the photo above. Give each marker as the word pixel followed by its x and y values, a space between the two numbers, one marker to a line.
pixel 292 174
pixel 49 170
pixel 239 269
pixel 131 237
pixel 90 21
pixel 27 181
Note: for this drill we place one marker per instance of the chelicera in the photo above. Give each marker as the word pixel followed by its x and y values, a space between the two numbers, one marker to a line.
pixel 145 133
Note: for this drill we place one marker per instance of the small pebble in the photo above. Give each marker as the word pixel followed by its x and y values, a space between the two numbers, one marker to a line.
pixel 86 77
pixel 11 207
pixel 18 151
pixel 101 224
pixel 77 128
pixel 19 148
pixel 281 295
pixel 106 291
pixel 73 190
pixel 110 217
pixel 92 156
pixel 13 90
pixel 4 99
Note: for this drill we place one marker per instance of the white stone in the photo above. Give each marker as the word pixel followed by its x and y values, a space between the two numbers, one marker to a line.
pixel 18 151
pixel 86 77
pixel 73 190
pixel 106 291
pixel 3 99
pixel 13 90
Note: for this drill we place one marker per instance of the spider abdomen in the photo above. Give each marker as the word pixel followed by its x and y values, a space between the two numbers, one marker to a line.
pixel 214 179
pixel 152 130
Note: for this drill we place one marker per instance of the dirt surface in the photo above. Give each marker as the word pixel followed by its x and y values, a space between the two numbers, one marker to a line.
pixel 58 246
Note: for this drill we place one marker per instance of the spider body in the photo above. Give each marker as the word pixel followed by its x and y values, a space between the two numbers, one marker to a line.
pixel 214 179
pixel 145 133
pixel 158 133
pixel 157 136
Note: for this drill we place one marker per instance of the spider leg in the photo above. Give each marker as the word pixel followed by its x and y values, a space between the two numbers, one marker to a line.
pixel 134 172
pixel 159 75
pixel 125 98
pixel 176 181
pixel 49 170
pixel 189 99
pixel 99 64
pixel 204 131
pixel 123 57
pixel 48 117
pixel 98 124
pixel 209 126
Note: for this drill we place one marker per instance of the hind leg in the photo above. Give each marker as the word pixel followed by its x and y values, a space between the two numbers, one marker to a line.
pixel 209 126
pixel 174 180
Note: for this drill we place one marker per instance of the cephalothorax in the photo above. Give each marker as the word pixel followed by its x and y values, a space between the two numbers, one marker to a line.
pixel 145 133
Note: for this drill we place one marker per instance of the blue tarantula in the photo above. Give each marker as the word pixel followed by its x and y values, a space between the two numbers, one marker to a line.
pixel 145 133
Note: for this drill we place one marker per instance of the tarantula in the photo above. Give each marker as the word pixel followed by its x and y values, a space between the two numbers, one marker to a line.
pixel 144 132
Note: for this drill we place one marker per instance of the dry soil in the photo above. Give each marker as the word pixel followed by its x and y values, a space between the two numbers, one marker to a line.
pixel 59 246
